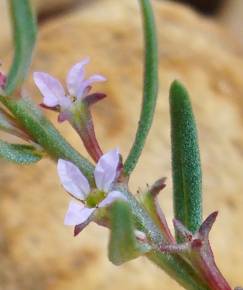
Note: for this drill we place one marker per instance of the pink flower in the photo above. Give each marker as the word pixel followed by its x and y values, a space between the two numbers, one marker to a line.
pixel 3 80
pixel 74 182
pixel 78 87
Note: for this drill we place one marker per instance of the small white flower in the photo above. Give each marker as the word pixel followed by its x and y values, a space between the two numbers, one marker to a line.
pixel 77 86
pixel 74 182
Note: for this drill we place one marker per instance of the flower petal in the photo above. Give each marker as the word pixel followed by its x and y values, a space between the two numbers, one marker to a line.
pixel 111 197
pixel 65 103
pixel 75 77
pixel 77 214
pixel 87 83
pixel 73 179
pixel 50 88
pixel 106 169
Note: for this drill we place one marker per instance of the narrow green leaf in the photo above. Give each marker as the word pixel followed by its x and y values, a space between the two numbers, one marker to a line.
pixel 24 36
pixel 123 245
pixel 187 180
pixel 150 89
pixel 18 153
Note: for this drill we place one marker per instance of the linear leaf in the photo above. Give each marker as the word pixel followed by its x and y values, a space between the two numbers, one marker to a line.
pixel 123 245
pixel 150 87
pixel 24 36
pixel 18 153
pixel 187 179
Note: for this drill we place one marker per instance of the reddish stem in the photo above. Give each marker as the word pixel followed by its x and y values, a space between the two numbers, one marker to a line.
pixel 155 189
pixel 206 263
pixel 163 223
pixel 199 252
pixel 85 128
pixel 90 142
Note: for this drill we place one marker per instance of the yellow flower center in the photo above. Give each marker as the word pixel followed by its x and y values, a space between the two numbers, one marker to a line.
pixel 95 197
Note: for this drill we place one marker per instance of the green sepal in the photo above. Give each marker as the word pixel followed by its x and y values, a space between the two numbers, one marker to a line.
pixel 24 37
pixel 149 200
pixel 123 245
pixel 186 166
pixel 18 153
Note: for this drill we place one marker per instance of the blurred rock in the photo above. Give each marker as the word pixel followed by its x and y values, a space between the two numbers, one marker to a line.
pixel 231 16
pixel 5 29
pixel 53 6
pixel 36 251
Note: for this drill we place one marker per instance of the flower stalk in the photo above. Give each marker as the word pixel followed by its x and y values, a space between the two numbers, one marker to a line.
pixel 81 121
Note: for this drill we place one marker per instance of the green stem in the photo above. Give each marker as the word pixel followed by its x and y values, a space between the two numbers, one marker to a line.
pixel 45 134
pixel 150 89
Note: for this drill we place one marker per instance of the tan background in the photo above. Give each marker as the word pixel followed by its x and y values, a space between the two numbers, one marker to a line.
pixel 36 251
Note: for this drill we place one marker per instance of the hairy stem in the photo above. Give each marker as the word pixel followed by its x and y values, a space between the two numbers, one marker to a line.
pixel 44 133
pixel 173 264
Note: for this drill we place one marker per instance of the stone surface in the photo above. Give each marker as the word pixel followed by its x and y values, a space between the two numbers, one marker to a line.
pixel 36 251
pixel 52 6
pixel 5 29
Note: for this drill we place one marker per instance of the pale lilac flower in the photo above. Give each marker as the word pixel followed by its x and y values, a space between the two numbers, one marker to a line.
pixel 73 106
pixel 77 86
pixel 74 182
